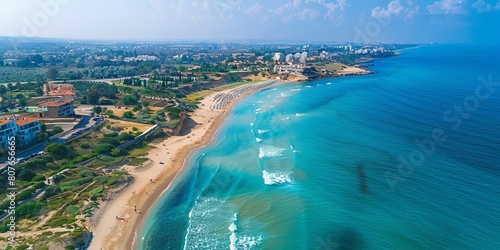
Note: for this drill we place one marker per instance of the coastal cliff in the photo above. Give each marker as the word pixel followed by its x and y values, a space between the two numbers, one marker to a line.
pixel 179 128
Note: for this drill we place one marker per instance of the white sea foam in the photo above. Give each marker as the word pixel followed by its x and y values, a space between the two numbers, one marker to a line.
pixel 258 109
pixel 294 90
pixel 308 86
pixel 204 223
pixel 241 241
pixel 274 178
pixel 328 83
pixel 248 242
pixel 257 139
pixel 300 114
pixel 262 131
pixel 275 89
pixel 270 151
pixel 251 124
pixel 233 238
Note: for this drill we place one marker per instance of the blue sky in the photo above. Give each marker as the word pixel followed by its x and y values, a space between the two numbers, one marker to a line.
pixel 470 21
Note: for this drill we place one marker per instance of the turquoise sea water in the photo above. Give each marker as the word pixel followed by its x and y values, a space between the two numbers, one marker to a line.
pixel 407 158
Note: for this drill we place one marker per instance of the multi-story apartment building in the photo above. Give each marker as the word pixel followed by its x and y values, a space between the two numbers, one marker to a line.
pixel 57 108
pixel 24 129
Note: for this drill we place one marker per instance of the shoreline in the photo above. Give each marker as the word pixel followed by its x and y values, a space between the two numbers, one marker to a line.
pixel 132 204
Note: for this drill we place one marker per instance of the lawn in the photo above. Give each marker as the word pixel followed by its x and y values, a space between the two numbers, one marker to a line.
pixel 127 126
pixel 333 67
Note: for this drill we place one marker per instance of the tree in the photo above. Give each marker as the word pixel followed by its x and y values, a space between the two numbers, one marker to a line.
pixel 39 91
pixel 109 112
pixel 128 115
pixel 3 89
pixel 56 130
pixel 25 174
pixel 145 104
pixel 28 210
pixel 92 96
pixel 104 148
pixel 124 136
pixel 23 102
pixel 97 109
pixel 115 152
pixel 137 108
pixel 52 73
pixel 129 100
pixel 51 191
pixel 57 150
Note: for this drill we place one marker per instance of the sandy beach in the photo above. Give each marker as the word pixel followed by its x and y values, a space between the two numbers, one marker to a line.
pixel 353 70
pixel 153 178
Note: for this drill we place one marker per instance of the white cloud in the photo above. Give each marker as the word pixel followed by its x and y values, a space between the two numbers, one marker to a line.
pixel 481 6
pixel 307 14
pixel 296 3
pixel 283 8
pixel 253 10
pixel 448 7
pixel 412 12
pixel 393 8
pixel 333 10
pixel 204 10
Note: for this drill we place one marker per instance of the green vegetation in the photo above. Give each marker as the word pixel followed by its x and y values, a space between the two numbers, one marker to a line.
pixel 15 74
pixel 129 100
pixel 333 67
pixel 73 210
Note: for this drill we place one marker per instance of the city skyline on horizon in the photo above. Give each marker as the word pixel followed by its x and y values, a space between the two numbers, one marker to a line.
pixel 430 21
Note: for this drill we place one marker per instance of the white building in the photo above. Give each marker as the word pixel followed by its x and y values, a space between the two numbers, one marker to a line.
pixel 279 57
pixel 289 58
pixel 8 129
pixel 303 57
pixel 25 129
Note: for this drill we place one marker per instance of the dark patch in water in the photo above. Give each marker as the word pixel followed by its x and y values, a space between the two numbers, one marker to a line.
pixel 350 239
pixel 363 188
pixel 342 238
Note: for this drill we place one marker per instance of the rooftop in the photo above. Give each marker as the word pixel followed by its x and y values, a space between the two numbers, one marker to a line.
pixel 23 120
pixel 20 120
pixel 55 93
pixel 54 103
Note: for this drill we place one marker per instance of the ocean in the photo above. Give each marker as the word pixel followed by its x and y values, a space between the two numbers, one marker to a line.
pixel 407 158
